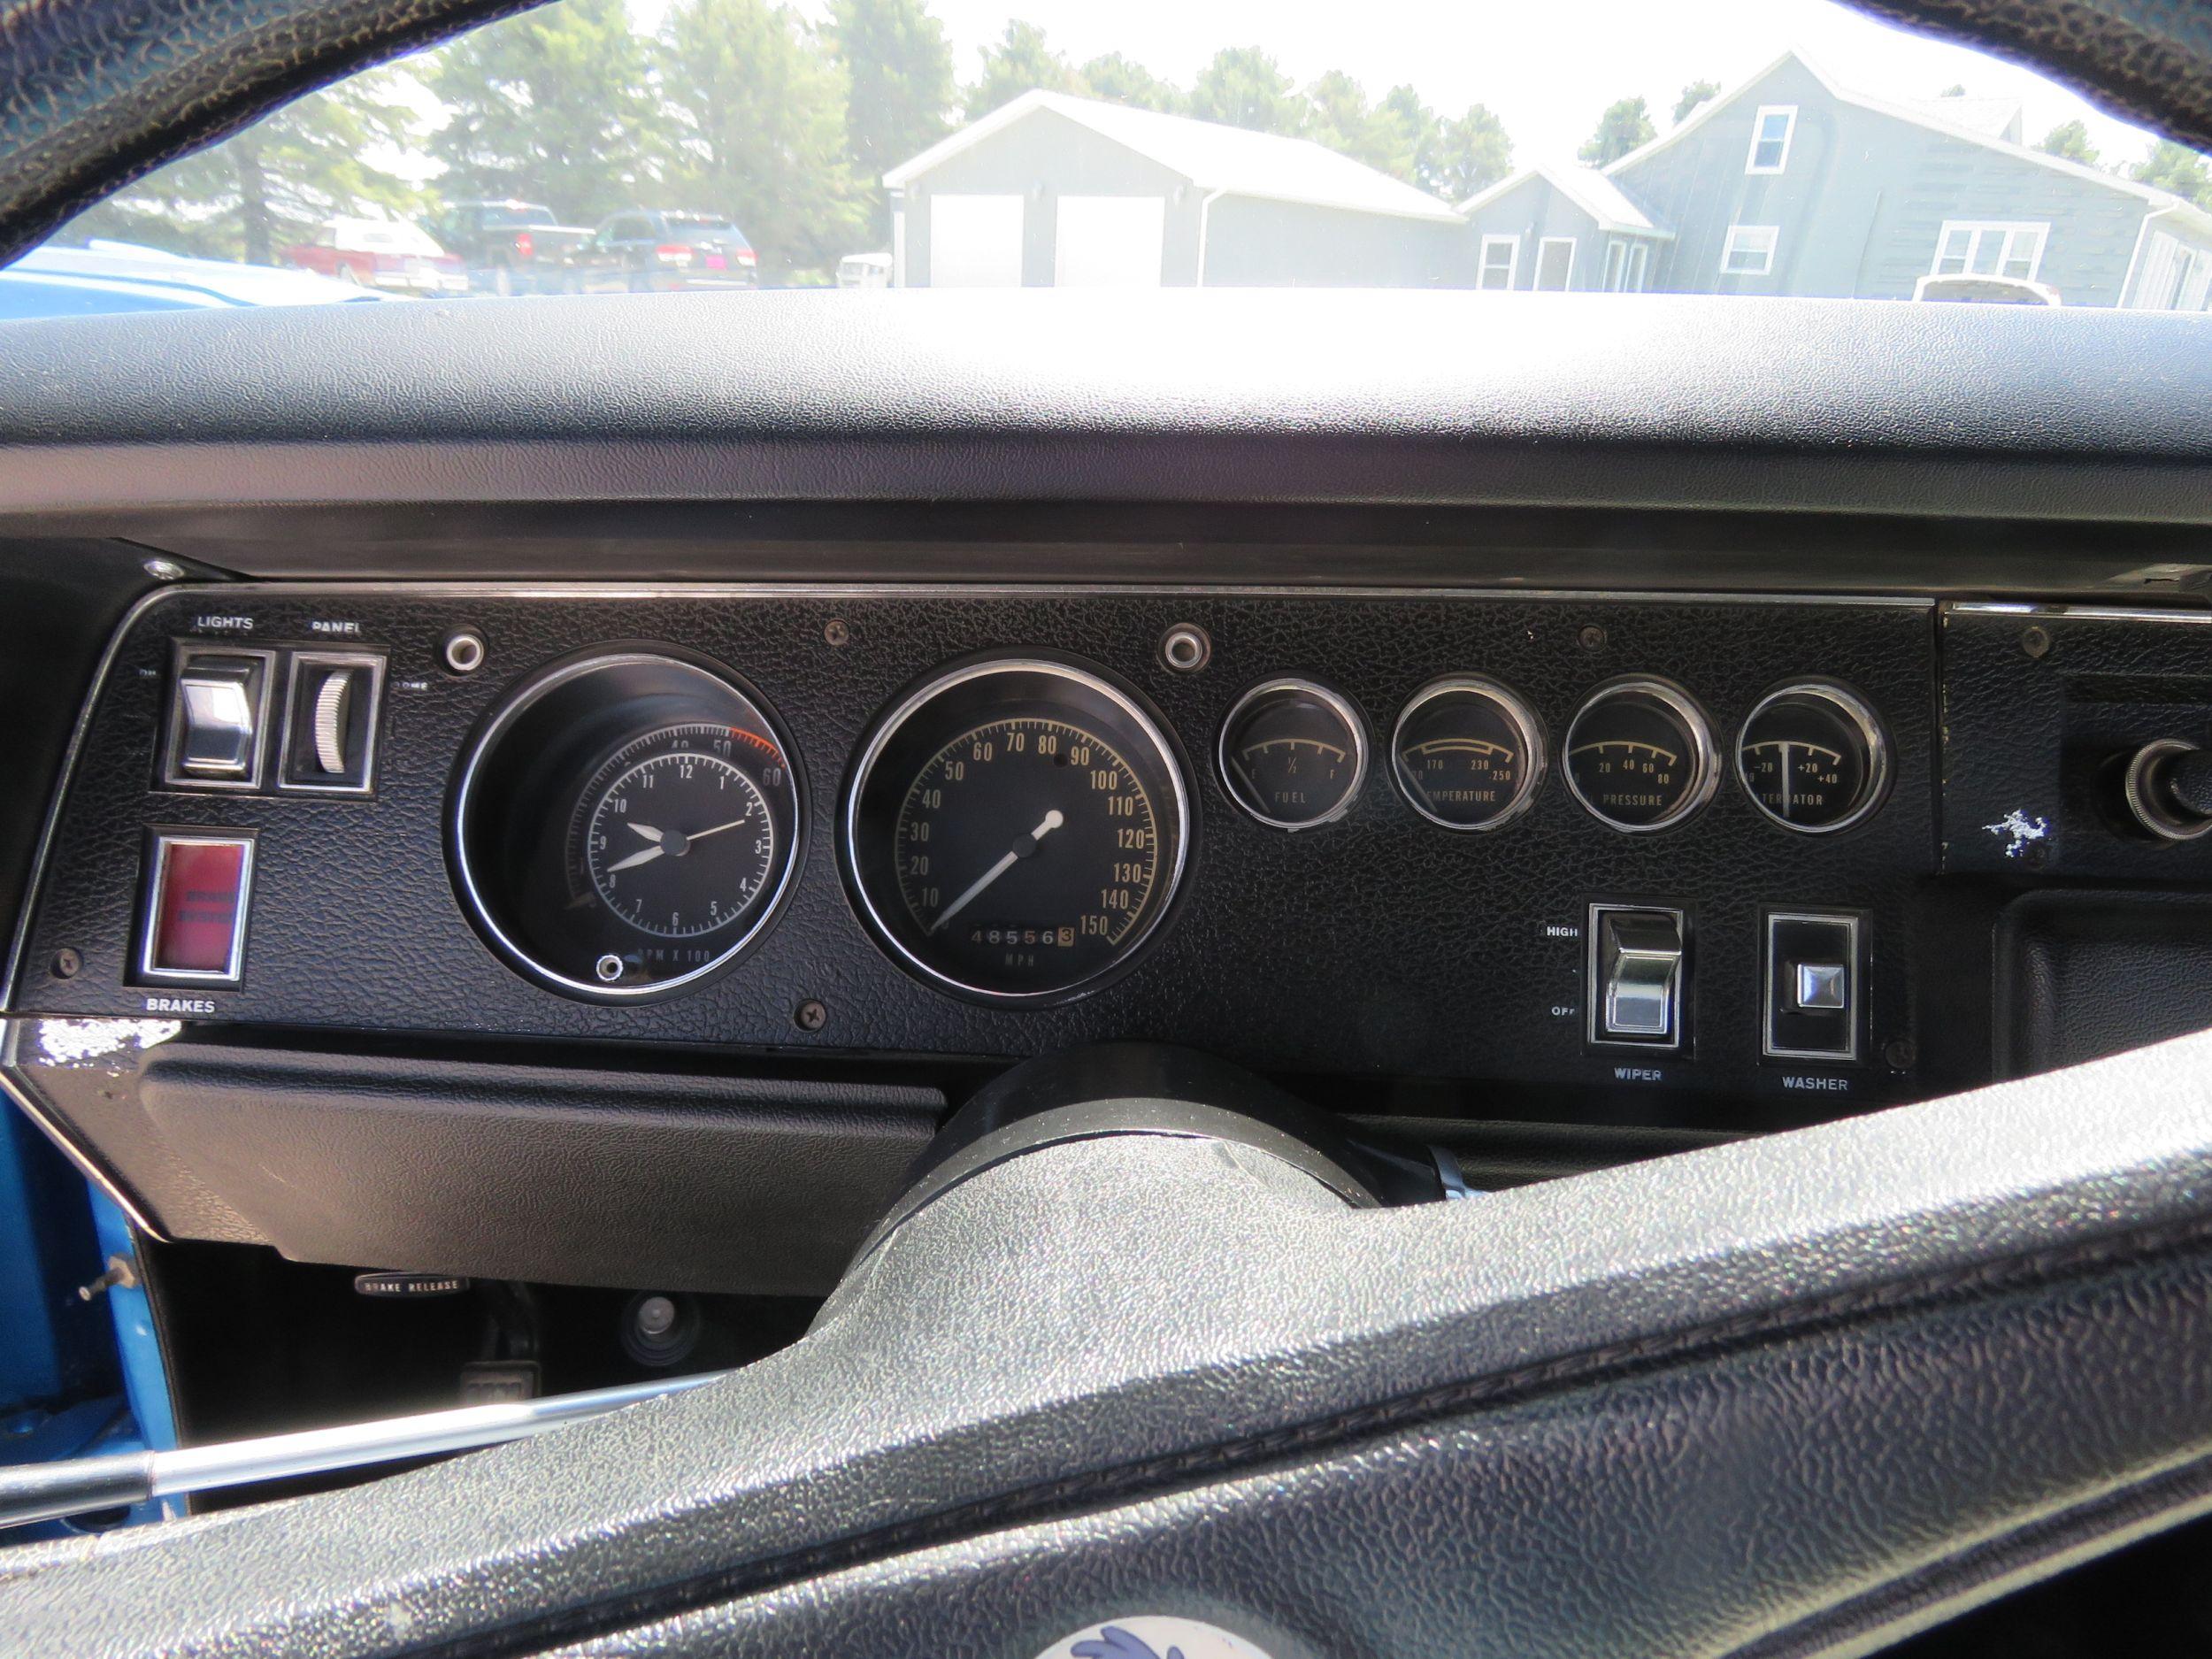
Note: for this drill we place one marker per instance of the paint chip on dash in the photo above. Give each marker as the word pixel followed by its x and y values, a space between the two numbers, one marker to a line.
pixel 2021 829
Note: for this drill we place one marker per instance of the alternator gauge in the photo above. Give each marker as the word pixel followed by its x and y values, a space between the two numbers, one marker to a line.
pixel 1639 756
pixel 1467 753
pixel 1293 754
pixel 1814 758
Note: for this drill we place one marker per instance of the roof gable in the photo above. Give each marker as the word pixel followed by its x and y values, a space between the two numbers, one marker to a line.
pixel 1915 114
pixel 1214 158
pixel 1609 206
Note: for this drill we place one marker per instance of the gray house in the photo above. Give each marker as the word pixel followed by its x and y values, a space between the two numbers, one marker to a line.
pixel 1791 184
pixel 1050 189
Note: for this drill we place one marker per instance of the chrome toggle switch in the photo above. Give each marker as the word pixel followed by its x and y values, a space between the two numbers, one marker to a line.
pixel 217 713
pixel 1639 971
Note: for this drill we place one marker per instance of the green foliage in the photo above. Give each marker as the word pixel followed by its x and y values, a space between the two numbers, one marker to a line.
pixel 554 105
pixel 266 188
pixel 1244 87
pixel 899 67
pixel 1697 92
pixel 1625 126
pixel 1021 62
pixel 2070 140
pixel 1466 154
pixel 1120 80
pixel 2174 167
pixel 760 110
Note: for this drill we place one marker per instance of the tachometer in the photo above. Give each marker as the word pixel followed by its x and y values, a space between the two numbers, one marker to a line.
pixel 627 825
pixel 1016 829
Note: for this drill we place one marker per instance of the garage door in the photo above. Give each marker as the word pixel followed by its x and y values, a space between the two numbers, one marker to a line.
pixel 1109 242
pixel 975 241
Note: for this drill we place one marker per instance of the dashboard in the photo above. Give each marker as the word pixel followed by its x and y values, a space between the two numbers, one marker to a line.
pixel 503 869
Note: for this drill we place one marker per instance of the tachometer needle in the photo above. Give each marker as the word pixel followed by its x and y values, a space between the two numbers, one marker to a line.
pixel 1021 849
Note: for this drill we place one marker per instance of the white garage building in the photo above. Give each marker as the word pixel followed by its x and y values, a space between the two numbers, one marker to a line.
pixel 1054 190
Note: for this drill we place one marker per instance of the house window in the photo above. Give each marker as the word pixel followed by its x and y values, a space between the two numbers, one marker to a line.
pixel 1749 250
pixel 1989 248
pixel 1771 130
pixel 1500 262
pixel 1624 262
pixel 1555 263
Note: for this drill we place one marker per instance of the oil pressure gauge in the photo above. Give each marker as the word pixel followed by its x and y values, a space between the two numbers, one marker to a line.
pixel 1639 756
pixel 1813 757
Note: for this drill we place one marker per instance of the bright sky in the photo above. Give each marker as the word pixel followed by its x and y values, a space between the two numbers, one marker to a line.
pixel 1547 69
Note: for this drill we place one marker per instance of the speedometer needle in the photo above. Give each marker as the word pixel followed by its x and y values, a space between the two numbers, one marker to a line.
pixel 1021 849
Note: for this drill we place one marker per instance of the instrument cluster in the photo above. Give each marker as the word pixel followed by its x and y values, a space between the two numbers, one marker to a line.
pixel 1016 828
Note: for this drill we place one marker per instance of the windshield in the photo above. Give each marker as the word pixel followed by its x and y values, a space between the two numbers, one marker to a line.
pixel 1744 147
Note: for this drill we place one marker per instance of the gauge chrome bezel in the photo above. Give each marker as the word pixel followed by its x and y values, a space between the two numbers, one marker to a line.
pixel 1345 712
pixel 1706 758
pixel 1538 760
pixel 886 730
pixel 519 701
pixel 1862 716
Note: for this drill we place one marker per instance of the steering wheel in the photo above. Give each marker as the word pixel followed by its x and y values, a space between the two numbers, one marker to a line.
pixel 1115 1365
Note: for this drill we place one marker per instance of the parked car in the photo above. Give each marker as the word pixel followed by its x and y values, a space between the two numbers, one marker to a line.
pixel 510 247
pixel 1984 288
pixel 381 253
pixel 106 277
pixel 657 251
pixel 864 271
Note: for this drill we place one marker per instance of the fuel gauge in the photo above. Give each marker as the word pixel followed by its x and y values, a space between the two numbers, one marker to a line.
pixel 1813 758
pixel 1293 754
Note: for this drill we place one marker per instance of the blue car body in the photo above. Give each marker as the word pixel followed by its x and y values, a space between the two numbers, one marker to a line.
pixel 113 276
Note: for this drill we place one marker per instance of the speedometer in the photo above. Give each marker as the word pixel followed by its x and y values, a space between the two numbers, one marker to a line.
pixel 1016 829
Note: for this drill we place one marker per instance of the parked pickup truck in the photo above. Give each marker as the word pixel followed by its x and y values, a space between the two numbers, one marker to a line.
pixel 510 247
pixel 381 253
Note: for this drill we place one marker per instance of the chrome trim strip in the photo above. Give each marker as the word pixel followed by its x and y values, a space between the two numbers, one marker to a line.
pixel 1703 782
pixel 1345 712
pixel 18 1088
pixel 889 728
pixel 1523 718
pixel 1863 716
pixel 35 880
pixel 2087 613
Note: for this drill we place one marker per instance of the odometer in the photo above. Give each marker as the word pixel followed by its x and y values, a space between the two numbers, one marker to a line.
pixel 1016 829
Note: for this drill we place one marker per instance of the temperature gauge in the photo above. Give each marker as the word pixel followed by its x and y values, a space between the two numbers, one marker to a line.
pixel 1813 758
pixel 1468 754
pixel 1293 754
pixel 1639 756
